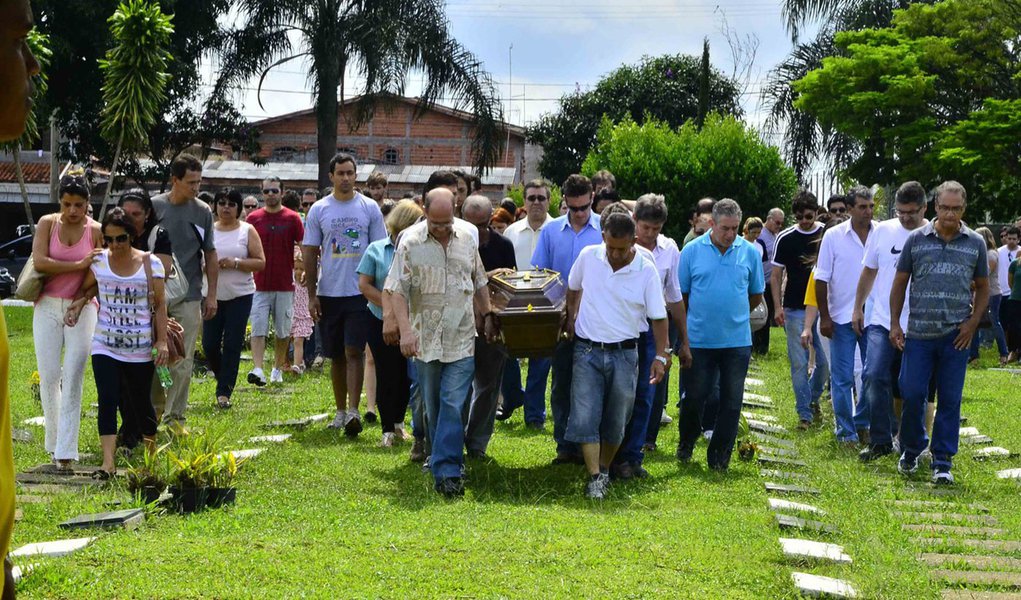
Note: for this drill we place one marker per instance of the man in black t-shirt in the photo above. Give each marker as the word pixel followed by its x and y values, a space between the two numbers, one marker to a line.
pixel 793 256
pixel 497 253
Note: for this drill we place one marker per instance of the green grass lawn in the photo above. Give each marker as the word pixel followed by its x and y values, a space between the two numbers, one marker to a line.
pixel 323 516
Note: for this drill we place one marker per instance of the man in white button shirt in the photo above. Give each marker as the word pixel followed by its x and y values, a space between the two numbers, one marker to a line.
pixel 524 234
pixel 612 290
pixel 836 279
pixel 882 251
pixel 1007 253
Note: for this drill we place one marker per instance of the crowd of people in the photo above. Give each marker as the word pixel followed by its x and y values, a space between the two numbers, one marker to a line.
pixel 350 276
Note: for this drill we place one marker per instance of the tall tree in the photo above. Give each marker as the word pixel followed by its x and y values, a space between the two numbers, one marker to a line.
pixel 804 138
pixel 384 41
pixel 666 88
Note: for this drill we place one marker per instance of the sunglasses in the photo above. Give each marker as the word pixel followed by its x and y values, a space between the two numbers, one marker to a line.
pixel 251 206
pixel 838 211
pixel 270 190
pixel 226 202
pixel 808 216
pixel 120 239
pixel 536 198
pixel 579 208
pixel 307 204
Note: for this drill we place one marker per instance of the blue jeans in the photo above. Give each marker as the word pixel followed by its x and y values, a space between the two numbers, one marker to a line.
pixel 533 397
pixel 222 339
pixel 877 384
pixel 842 346
pixel 806 390
pixel 634 435
pixel 728 367
pixel 444 388
pixel 602 394
pixel 994 317
pixel 921 359
pixel 560 397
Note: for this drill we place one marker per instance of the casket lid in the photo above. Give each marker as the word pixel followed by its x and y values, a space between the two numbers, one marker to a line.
pixel 526 281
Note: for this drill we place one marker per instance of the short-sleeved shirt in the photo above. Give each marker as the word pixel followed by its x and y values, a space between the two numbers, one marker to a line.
pixel 839 266
pixel 439 286
pixel 524 238
pixel 941 276
pixel 497 253
pixel 718 286
pixel 668 259
pixel 1004 257
pixel 559 246
pixel 376 263
pixel 161 244
pixel 124 320
pixel 190 226
pixel 342 229
pixel 1015 270
pixel 792 250
pixel 279 232
pixel 882 252
pixel 810 299
pixel 768 240
pixel 615 305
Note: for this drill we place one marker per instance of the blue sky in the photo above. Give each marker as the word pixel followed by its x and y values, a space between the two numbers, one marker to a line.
pixel 560 45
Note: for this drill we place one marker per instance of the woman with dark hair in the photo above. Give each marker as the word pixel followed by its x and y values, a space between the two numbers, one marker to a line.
pixel 129 286
pixel 239 251
pixel 65 245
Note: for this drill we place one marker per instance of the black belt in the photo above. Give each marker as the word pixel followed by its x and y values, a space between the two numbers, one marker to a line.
pixel 625 345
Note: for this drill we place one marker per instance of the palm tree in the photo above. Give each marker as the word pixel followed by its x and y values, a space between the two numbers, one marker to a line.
pixel 804 139
pixel 385 40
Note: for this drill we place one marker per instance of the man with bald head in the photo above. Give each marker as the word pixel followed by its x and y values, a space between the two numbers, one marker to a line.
pixel 497 253
pixel 436 278
pixel 17 66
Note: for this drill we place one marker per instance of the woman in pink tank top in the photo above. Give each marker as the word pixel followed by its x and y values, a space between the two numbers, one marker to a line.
pixel 64 246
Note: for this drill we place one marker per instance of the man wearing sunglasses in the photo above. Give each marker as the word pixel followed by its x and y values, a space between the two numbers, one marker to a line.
pixel 524 234
pixel 836 205
pixel 558 248
pixel 250 204
pixel 280 228
pixel 792 256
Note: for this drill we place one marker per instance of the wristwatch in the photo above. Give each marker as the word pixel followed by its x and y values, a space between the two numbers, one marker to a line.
pixel 236 262
pixel 662 359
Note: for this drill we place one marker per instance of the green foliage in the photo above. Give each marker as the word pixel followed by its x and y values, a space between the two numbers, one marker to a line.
pixel 135 71
pixel 152 471
pixel 665 88
pixel 517 194
pixel 928 98
pixel 724 159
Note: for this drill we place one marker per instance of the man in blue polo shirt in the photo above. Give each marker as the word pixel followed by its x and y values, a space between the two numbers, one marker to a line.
pixel 943 261
pixel 560 243
pixel 721 282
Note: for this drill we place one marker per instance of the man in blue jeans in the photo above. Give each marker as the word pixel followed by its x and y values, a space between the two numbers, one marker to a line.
pixel 942 261
pixel 612 290
pixel 437 325
pixel 795 246
pixel 836 278
pixel 560 243
pixel 879 266
pixel 721 282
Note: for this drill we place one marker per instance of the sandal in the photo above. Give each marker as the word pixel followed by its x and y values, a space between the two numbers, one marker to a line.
pixel 102 475
pixel 223 402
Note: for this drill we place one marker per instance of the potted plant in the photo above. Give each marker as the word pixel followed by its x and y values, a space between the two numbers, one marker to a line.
pixel 221 480
pixel 190 466
pixel 148 479
pixel 746 448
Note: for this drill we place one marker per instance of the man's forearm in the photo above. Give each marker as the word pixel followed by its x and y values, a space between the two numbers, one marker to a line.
pixel 399 304
pixel 897 300
pixel 661 333
pixel 776 283
pixel 680 319
pixel 310 258
pixel 212 273
pixel 822 299
pixel 865 283
pixel 981 299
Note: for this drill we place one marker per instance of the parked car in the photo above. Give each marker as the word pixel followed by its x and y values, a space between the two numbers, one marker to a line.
pixel 13 256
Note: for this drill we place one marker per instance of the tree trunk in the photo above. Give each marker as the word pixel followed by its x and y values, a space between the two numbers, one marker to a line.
pixel 113 176
pixel 703 86
pixel 326 122
pixel 24 190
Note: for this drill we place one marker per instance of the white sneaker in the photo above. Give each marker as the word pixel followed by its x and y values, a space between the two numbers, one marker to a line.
pixel 276 376
pixel 257 377
pixel 389 438
pixel 708 435
pixel 665 419
pixel 339 420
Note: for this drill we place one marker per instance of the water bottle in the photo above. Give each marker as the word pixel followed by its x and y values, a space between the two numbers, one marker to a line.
pixel 163 373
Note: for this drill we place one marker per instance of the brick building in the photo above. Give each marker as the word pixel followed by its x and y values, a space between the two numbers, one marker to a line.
pixel 394 141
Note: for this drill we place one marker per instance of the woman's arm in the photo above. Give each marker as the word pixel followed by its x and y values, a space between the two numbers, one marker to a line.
pixel 256 260
pixel 160 314
pixel 366 285
pixel 85 293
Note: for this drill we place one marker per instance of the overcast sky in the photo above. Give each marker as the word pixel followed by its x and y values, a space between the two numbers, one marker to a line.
pixel 562 45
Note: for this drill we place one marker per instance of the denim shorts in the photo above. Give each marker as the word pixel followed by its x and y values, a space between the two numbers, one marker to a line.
pixel 278 304
pixel 602 394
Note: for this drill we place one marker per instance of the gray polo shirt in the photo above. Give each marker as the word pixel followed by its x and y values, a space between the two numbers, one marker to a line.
pixel 941 276
pixel 190 227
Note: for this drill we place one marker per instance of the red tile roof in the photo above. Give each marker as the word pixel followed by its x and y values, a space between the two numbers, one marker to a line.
pixel 35 172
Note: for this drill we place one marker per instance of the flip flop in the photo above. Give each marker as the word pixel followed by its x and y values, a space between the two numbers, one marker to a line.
pixel 102 475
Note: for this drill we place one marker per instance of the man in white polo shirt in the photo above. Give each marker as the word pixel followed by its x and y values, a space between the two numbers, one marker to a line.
pixel 612 290
pixel 836 279
pixel 524 234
